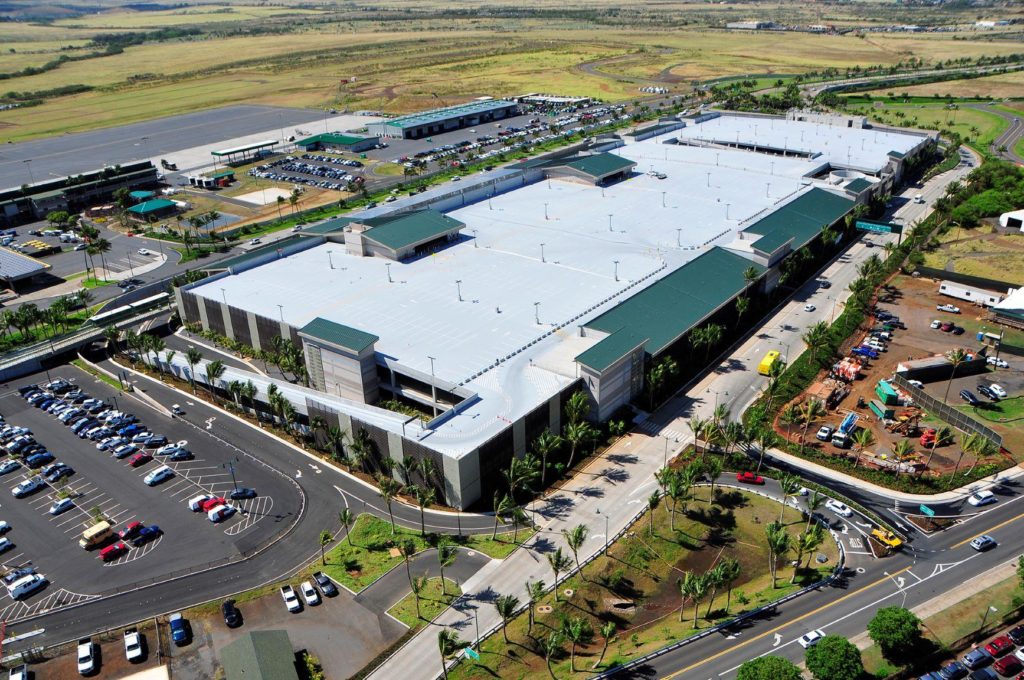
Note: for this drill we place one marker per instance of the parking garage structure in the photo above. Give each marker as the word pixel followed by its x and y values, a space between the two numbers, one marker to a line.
pixel 436 121
pixel 540 279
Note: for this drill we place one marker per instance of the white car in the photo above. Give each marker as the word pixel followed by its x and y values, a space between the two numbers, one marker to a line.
pixel 26 487
pixel 997 390
pixel 143 251
pixel 4 527
pixel 132 644
pixel 63 505
pixel 979 498
pixel 291 600
pixel 916 383
pixel 19 672
pixel 840 509
pixel 9 466
pixel 5 544
pixel 1000 363
pixel 810 639
pixel 809 308
pixel 86 656
pixel 309 593
pixel 936 323
pixel 158 475
pixel 952 309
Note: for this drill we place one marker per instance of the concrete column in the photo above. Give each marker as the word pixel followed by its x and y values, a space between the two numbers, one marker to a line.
pixel 395 449
pixel 555 415
pixel 229 330
pixel 254 330
pixel 519 443
pixel 202 313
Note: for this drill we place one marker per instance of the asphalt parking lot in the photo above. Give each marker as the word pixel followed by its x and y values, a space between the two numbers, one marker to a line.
pixel 102 483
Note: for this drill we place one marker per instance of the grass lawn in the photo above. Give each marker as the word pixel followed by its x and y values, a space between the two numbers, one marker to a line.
pixel 81 365
pixel 388 169
pixel 635 586
pixel 432 603
pixel 1003 411
pixel 93 282
pixel 999 85
pixel 369 555
pixel 953 623
pixel 932 116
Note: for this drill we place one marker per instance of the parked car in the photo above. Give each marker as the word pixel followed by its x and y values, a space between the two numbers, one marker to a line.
pixel 999 646
pixel 953 671
pixel 999 363
pixel 181 454
pixel 952 309
pixel 840 509
pixel 976 658
pixel 61 506
pixel 241 493
pixel 824 433
pixel 140 459
pixel 749 478
pixel 179 629
pixel 808 640
pixel 19 672
pixel 232 617
pixel 130 530
pixel 809 308
pixel 983 543
pixel 291 600
pixel 9 466
pixel 958 330
pixel 986 391
pixel 969 397
pixel 947 326
pixel 196 504
pixel 112 552
pixel 158 475
pixel 997 390
pixel 1017 635
pixel 1008 666
pixel 124 450
pixel 5 544
pixel 327 585
pixel 132 645
pixel 220 513
pixel 27 487
pixel 146 534
pixel 86 656
pixel 309 593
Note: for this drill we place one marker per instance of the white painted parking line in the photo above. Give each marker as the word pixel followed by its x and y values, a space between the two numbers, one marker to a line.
pixel 258 509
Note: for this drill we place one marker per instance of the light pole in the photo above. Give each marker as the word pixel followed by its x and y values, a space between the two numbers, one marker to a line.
pixel 616 263
pixel 605 531
pixel 433 386
pixel 767 189
pixel 679 236
pixel 131 270
pixel 28 163
pixel 387 265
pixel 663 200
pixel 709 179
pixel 545 211
pixel 230 465
pixel 727 210
pixel 475 239
pixel 536 312
pixel 280 310
pixel 984 618
pixel 224 295
pixel 330 261
pixel 542 253
pixel 666 449
pixel 609 221
pixel 458 287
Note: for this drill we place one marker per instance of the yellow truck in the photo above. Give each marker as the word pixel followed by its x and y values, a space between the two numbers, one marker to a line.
pixel 887 538
pixel 765 367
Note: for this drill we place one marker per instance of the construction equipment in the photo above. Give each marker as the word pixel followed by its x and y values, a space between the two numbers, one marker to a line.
pixel 887 538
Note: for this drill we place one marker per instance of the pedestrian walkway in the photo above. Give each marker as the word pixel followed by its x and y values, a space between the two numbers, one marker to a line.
pixel 390 588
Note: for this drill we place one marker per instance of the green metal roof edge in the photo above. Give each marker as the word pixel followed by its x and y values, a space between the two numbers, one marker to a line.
pixel 605 163
pixel 229 262
pixel 262 651
pixel 150 206
pixel 858 185
pixel 339 334
pixel 396 232
pixel 610 349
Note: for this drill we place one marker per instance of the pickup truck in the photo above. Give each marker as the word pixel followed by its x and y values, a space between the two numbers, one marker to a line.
pixel 179 629
pixel 291 600
pixel 132 644
pixel 886 538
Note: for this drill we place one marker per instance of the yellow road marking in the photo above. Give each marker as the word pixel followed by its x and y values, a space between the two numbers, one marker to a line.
pixel 1001 524
pixel 790 623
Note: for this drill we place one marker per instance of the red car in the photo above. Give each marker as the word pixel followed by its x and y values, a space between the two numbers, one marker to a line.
pixel 1001 645
pixel 1008 666
pixel 112 552
pixel 140 459
pixel 213 502
pixel 749 478
pixel 130 530
pixel 946 327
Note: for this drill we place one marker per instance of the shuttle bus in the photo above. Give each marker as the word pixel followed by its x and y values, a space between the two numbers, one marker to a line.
pixel 766 364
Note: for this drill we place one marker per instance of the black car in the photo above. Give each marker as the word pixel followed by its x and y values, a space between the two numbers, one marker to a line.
pixel 241 493
pixel 1017 635
pixel 325 583
pixel 969 397
pixel 957 330
pixel 232 617
pixel 953 671
pixel 984 674
pixel 825 284
pixel 985 390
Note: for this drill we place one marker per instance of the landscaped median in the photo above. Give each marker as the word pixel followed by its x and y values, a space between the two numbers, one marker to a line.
pixel 684 566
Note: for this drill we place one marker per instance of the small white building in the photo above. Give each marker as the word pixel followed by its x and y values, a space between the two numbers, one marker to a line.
pixel 1013 220
pixel 972 294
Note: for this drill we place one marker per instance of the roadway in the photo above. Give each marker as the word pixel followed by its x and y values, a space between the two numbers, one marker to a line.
pixel 326 491
pixel 1009 137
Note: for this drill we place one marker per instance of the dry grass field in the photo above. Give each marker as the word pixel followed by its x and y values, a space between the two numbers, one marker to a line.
pixel 998 86
pixel 403 54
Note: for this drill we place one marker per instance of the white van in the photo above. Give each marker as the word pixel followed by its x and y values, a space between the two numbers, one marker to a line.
pixel 26 585
pixel 220 513
pixel 918 199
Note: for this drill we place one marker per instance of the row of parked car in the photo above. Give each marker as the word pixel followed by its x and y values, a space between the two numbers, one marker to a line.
pixel 1000 658
pixel 328 159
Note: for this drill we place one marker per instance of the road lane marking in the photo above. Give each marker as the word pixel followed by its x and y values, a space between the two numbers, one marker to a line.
pixel 1001 524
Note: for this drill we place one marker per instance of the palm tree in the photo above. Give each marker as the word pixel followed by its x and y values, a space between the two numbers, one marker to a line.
pixel 701 585
pixel 742 306
pixel 558 562
pixel 579 632
pixel 766 440
pixel 778 545
pixel 419 584
pixel 520 472
pixel 448 642
pixel 810 410
pixel 956 357
pixel 249 392
pixel 534 594
pixel 815 500
pixel 863 438
pixel 576 434
pixel 652 504
pixel 815 338
pixel 446 555
pixel 789 485
pixel 731 571
pixel 791 416
pixel 699 427
pixel 214 370
pixel 552 645
pixel 901 452
pixel 407 548
pixel 576 407
pixel 234 388
pixel 574 538
pixel 346 519
pixel 713 468
pixel 811 540
pixel 388 488
pixel 547 443
pixel 607 631
pixel 506 605
pixel 192 357
pixel 325 540
pixel 750 276
pixel 716 579
pixel 424 497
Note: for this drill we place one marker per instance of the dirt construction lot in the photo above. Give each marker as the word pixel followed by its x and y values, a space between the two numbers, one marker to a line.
pixel 914 301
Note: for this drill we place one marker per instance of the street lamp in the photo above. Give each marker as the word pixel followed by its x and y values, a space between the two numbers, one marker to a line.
pixel 985 617
pixel 609 221
pixel 616 263
pixel 28 163
pixel 131 270
pixel 224 295
pixel 280 309
pixel 458 286
pixel 536 312
pixel 329 260
pixel 667 439
pixel 387 265
pixel 605 531
pixel 542 253
pixel 679 236
pixel 545 211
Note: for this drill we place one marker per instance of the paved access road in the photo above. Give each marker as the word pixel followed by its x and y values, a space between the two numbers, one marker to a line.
pixel 1009 137
pixel 325 492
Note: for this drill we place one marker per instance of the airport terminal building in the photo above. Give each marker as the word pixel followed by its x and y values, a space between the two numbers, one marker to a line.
pixel 489 301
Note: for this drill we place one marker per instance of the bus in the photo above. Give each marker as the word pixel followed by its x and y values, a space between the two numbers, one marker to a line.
pixel 765 367
pixel 96 534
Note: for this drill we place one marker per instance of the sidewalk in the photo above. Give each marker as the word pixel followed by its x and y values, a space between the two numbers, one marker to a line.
pixel 73 286
pixel 955 494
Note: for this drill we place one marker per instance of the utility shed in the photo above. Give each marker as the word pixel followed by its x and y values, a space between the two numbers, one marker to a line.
pixel 598 168
pixel 613 371
pixel 260 655
pixel 156 208
pixel 398 237
pixel 801 220
pixel 666 310
pixel 341 359
pixel 329 141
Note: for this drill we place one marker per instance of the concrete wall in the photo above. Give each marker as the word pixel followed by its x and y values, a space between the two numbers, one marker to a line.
pixel 342 373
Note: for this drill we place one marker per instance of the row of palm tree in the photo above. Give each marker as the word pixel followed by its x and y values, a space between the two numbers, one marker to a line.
pixel 29 317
